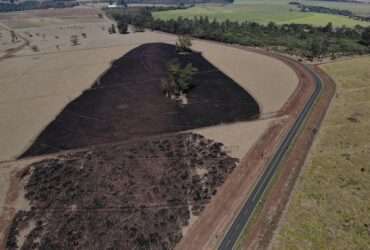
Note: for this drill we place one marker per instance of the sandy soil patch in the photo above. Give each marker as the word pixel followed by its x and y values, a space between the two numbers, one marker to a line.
pixel 238 137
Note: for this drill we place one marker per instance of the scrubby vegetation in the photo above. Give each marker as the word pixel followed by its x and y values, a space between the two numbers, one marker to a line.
pixel 300 39
pixel 136 195
pixel 178 80
pixel 183 43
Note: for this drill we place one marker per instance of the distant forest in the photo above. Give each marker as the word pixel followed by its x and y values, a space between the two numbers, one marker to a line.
pixel 32 4
pixel 176 2
pixel 326 10
pixel 35 4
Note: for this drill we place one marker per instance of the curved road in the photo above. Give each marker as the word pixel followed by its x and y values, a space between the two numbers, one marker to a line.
pixel 254 198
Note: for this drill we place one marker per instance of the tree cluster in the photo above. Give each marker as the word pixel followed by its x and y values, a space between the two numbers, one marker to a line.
pixel 179 79
pixel 183 44
pixel 332 11
pixel 32 4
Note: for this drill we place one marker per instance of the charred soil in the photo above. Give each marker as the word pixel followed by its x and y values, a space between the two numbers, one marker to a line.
pixel 127 102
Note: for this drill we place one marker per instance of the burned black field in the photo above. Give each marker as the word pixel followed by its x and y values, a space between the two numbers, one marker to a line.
pixel 131 195
pixel 131 183
pixel 127 102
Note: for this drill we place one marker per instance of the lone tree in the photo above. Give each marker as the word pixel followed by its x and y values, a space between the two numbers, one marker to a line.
pixel 34 48
pixel 183 44
pixel 179 80
pixel 13 36
pixel 365 37
pixel 122 27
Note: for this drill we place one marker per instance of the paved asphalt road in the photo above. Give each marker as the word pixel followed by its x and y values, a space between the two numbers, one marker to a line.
pixel 246 212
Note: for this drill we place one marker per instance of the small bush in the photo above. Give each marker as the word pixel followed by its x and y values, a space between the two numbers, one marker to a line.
pixel 183 43
pixel 34 48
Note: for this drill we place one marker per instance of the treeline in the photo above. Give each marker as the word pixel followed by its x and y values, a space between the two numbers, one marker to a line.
pixel 176 2
pixel 31 5
pixel 300 39
pixel 332 11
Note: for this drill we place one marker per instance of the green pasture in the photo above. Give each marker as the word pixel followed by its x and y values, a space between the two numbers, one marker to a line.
pixel 264 11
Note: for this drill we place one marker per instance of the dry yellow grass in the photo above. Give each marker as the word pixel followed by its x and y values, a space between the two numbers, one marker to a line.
pixel 330 206
pixel 238 137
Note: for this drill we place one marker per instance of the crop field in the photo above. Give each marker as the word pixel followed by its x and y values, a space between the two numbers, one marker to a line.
pixel 330 208
pixel 266 11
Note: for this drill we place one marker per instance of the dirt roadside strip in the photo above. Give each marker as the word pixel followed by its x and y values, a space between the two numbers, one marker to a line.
pixel 209 230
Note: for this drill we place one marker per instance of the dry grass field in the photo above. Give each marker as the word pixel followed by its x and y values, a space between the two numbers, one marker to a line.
pixel 43 18
pixel 330 206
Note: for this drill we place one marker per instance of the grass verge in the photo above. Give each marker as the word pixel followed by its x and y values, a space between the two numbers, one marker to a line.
pixel 330 206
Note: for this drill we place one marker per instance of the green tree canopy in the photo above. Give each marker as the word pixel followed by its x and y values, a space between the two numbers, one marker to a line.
pixel 179 78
